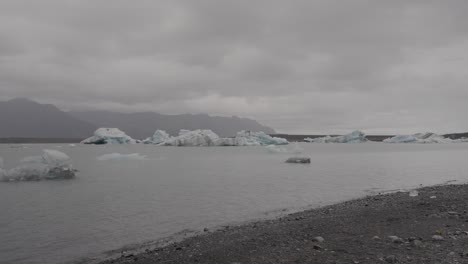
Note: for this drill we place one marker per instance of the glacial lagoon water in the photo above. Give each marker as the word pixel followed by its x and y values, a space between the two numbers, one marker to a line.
pixel 113 203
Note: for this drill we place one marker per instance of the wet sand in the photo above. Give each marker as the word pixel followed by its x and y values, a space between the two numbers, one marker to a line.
pixel 390 228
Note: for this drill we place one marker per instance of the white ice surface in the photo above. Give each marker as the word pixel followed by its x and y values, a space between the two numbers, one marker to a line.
pixel 353 137
pixel 109 136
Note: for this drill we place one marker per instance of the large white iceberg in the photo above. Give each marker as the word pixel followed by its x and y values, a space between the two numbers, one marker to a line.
pixel 193 138
pixel 206 137
pixel 51 165
pixel 248 138
pixel 353 137
pixel 422 138
pixel 109 136
pixel 158 137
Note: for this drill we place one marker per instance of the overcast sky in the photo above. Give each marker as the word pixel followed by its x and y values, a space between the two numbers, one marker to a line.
pixel 326 66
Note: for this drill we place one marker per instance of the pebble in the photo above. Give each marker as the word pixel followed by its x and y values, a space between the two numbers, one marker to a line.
pixel 390 259
pixel 437 238
pixel 395 239
pixel 317 247
pixel 318 239
pixel 417 243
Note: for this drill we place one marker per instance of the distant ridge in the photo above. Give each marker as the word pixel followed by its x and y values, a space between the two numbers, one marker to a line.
pixel 24 118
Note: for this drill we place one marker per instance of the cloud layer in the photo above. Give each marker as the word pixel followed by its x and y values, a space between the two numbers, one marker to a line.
pixel 324 66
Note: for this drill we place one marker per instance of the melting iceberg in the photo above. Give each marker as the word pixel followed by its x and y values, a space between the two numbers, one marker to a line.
pixel 193 138
pixel 51 165
pixel 109 136
pixel 118 156
pixel 206 137
pixel 248 138
pixel 423 138
pixel 353 137
pixel 158 137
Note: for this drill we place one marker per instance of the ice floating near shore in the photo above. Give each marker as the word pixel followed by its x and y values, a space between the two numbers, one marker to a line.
pixel 51 165
pixel 422 138
pixel 295 149
pixel 118 156
pixel 109 136
pixel 158 137
pixel 207 137
pixel 354 137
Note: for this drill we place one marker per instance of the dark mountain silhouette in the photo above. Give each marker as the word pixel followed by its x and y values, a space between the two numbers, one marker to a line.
pixel 142 125
pixel 23 118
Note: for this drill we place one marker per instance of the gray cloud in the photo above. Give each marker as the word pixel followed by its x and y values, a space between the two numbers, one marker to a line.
pixel 299 66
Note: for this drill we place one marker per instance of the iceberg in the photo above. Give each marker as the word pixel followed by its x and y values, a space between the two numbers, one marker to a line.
pixel 109 136
pixel 422 138
pixel 193 138
pixel 51 165
pixel 248 138
pixel 158 137
pixel 353 137
pixel 206 137
pixel 118 156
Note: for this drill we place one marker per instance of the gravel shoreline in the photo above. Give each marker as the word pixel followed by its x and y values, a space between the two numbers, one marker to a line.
pixel 431 227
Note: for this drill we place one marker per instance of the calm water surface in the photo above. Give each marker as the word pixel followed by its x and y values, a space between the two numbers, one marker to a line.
pixel 115 203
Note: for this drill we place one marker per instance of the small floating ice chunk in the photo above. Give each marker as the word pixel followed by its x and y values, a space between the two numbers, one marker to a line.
pixel 303 160
pixel 55 158
pixel 109 136
pixel 51 165
pixel 276 149
pixel 118 156
pixel 413 193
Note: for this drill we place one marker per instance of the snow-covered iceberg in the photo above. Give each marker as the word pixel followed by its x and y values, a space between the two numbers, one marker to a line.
pixel 118 156
pixel 109 136
pixel 206 137
pixel 193 138
pixel 353 137
pixel 51 165
pixel 158 137
pixel 248 138
pixel 422 138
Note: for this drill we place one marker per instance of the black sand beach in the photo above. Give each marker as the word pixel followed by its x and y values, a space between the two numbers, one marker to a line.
pixel 390 228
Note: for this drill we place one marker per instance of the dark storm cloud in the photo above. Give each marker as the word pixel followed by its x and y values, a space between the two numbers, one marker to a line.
pixel 299 66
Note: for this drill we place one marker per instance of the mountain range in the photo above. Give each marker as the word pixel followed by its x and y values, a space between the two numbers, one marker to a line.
pixel 24 118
